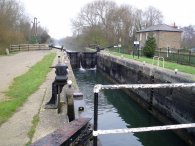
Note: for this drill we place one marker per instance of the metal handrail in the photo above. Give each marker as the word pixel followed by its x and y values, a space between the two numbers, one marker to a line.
pixel 155 57
pixel 99 87
pixel 158 59
pixel 143 129
pixel 163 60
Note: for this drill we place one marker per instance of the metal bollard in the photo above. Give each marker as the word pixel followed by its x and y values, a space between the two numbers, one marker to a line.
pixel 57 85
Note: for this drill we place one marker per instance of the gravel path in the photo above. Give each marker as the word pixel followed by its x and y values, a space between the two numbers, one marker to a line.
pixel 15 65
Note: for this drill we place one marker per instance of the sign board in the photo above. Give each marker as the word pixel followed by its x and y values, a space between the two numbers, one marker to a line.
pixel 136 42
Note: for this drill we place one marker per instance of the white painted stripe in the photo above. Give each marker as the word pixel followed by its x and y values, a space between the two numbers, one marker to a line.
pixel 99 87
pixel 142 129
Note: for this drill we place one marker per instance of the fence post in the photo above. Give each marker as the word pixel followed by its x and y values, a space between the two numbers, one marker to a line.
pixel 178 56
pixel 190 56
pixel 7 51
pixel 160 52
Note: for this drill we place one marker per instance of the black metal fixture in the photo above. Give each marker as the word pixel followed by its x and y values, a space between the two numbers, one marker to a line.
pixel 57 85
pixel 136 46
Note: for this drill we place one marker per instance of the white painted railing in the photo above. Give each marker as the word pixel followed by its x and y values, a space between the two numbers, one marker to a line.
pixel 143 129
pixel 158 61
pixel 99 87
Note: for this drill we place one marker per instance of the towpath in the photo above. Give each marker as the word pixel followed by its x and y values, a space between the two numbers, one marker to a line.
pixel 14 65
pixel 15 130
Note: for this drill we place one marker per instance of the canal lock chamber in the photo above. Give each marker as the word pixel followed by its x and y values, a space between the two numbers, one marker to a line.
pixel 118 71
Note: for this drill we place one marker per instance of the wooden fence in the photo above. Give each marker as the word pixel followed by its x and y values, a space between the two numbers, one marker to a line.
pixel 28 47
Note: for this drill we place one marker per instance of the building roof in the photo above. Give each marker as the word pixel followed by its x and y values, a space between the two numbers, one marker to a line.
pixel 160 27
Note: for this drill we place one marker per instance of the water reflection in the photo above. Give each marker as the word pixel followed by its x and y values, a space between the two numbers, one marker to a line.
pixel 117 110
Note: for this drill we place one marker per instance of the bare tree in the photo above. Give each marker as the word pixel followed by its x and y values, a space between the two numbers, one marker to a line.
pixel 123 22
pixel 152 16
pixel 14 24
pixel 102 21
pixel 188 39
pixel 103 7
pixel 92 19
pixel 138 19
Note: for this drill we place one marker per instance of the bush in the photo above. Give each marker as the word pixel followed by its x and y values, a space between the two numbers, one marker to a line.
pixel 150 46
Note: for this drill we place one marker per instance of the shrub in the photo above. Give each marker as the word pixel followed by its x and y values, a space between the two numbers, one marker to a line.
pixel 150 46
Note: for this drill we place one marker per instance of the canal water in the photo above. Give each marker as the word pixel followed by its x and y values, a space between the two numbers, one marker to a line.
pixel 117 110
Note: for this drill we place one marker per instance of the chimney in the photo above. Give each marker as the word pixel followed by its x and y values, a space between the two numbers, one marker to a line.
pixel 174 25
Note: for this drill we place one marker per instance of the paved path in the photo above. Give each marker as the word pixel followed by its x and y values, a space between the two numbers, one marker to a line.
pixel 15 65
pixel 15 131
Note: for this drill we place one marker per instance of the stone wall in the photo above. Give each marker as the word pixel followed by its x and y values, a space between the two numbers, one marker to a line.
pixel 74 98
pixel 176 104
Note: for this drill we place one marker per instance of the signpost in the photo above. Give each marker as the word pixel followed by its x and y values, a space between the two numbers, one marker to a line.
pixel 136 45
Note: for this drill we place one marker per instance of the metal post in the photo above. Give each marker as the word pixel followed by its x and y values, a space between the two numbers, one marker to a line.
pixel 178 56
pixel 35 23
pixel 167 52
pixel 58 99
pixel 190 57
pixel 151 94
pixel 95 126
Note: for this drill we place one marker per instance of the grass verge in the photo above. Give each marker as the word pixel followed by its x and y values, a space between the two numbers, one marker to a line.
pixel 31 132
pixel 24 85
pixel 168 65
pixel 35 122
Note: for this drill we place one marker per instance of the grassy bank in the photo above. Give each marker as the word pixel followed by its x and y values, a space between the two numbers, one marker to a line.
pixel 24 85
pixel 168 65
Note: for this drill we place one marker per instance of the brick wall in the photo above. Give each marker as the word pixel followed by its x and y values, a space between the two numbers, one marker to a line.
pixel 169 39
pixel 163 39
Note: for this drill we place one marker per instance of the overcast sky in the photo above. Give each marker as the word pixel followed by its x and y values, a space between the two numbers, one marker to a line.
pixel 55 15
